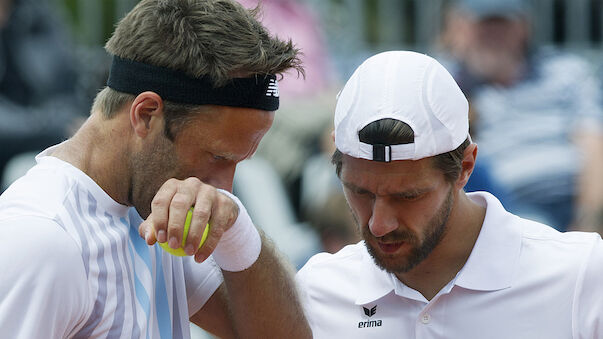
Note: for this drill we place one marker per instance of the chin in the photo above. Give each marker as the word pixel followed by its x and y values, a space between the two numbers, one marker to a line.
pixel 391 262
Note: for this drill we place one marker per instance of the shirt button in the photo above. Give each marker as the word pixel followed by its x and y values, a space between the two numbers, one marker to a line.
pixel 425 319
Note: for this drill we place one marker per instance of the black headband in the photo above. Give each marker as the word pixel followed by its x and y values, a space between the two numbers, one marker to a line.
pixel 128 76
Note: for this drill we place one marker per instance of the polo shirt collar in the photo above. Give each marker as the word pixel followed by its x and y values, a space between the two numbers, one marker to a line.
pixel 495 256
pixel 491 265
pixel 376 283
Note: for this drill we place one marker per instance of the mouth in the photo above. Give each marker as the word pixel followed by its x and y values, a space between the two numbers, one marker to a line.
pixel 391 247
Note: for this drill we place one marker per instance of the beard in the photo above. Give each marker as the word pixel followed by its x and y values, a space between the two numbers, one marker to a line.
pixel 433 234
pixel 151 168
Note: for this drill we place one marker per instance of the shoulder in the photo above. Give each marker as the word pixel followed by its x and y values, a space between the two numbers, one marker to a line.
pixel 547 238
pixel 41 192
pixel 335 276
pixel 588 303
pixel 348 258
pixel 39 246
pixel 537 232
pixel 43 279
pixel 560 256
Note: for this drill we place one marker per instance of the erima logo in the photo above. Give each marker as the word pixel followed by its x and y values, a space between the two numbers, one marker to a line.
pixel 371 312
pixel 272 88
pixel 370 323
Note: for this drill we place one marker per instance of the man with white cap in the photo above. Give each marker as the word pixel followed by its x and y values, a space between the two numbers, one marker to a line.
pixel 437 262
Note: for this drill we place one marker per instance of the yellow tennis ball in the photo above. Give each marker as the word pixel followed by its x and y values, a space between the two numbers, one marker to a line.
pixel 187 224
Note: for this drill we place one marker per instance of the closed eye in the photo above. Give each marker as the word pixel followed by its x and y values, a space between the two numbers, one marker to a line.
pixel 410 196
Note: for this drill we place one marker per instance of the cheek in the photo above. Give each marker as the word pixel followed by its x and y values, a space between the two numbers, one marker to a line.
pixel 361 207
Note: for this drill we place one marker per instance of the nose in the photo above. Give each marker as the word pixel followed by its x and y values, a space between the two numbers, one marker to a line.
pixel 383 219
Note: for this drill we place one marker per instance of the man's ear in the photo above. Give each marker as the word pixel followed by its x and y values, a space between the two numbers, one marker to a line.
pixel 146 113
pixel 467 165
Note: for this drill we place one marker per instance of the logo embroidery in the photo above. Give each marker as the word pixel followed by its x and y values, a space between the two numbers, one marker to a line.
pixel 371 312
pixel 272 89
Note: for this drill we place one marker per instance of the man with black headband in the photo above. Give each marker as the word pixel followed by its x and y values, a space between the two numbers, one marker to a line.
pixel 192 90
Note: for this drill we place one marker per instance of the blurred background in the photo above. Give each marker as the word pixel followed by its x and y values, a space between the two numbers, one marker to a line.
pixel 531 69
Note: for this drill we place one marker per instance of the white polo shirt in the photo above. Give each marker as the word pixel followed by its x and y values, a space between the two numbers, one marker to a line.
pixel 522 280
pixel 72 264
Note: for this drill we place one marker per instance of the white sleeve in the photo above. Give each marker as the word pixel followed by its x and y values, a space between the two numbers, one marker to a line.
pixel 202 280
pixel 588 304
pixel 305 279
pixel 43 289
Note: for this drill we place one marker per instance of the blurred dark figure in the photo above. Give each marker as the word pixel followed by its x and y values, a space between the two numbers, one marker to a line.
pixel 535 112
pixel 39 105
pixel 334 223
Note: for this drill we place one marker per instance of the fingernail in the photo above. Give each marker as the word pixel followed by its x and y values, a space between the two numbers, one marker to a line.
pixel 190 249
pixel 174 243
pixel 146 236
pixel 161 236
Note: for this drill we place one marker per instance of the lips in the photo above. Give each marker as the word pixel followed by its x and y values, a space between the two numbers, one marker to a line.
pixel 390 247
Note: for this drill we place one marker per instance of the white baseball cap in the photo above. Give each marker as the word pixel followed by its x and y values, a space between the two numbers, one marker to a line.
pixel 406 86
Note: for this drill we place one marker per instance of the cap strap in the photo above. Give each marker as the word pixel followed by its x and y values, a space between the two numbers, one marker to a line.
pixel 382 153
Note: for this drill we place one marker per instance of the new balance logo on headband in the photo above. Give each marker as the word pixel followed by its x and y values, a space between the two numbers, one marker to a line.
pixel 272 89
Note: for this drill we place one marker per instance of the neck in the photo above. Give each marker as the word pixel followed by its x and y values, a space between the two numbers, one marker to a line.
pixel 97 150
pixel 447 259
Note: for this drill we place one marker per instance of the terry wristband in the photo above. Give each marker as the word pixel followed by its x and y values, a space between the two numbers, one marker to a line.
pixel 240 245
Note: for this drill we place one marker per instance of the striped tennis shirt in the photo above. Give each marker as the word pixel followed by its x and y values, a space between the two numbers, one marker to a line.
pixel 72 264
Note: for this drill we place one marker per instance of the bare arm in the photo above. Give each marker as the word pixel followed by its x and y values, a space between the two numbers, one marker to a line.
pixel 589 204
pixel 261 302
pixel 214 316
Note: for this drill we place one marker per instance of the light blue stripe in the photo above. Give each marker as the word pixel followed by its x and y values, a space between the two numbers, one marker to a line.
pixel 71 212
pixel 143 252
pixel 120 309
pixel 141 294
pixel 176 307
pixel 140 245
pixel 131 270
pixel 101 297
pixel 162 307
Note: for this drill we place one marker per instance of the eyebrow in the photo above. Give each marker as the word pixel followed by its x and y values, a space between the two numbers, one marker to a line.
pixel 404 194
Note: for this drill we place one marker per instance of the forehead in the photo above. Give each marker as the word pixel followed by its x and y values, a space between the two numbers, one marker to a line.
pixel 225 129
pixel 390 177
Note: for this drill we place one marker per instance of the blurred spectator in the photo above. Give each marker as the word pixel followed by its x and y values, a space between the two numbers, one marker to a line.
pixel 536 112
pixel 269 183
pixel 39 105
pixel 334 223
pixel 322 201
pixel 307 102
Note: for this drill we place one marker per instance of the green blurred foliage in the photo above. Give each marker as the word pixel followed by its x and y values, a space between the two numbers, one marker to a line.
pixel 77 17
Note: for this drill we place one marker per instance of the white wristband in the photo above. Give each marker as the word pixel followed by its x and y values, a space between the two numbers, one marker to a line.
pixel 241 244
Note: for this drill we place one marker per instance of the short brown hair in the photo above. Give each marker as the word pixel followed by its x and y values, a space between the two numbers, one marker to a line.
pixel 395 132
pixel 215 38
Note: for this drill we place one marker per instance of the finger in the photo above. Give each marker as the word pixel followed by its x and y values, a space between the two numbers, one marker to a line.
pixel 160 208
pixel 206 199
pixel 223 215
pixel 181 202
pixel 147 231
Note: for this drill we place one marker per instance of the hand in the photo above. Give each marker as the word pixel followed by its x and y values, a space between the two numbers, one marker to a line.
pixel 168 214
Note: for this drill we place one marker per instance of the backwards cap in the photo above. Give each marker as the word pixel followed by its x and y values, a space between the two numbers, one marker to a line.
pixel 406 86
